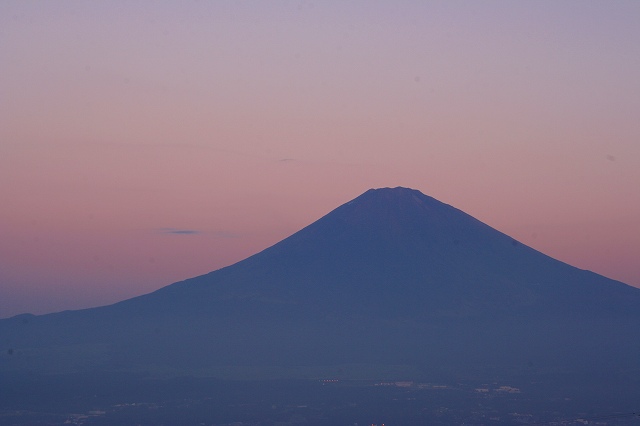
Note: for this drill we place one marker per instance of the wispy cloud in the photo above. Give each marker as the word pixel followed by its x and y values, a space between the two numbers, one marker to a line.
pixel 182 231
pixel 177 231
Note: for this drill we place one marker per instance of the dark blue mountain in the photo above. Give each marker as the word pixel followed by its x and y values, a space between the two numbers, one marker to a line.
pixel 391 278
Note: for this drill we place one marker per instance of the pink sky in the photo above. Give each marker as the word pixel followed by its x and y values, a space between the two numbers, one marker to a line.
pixel 122 123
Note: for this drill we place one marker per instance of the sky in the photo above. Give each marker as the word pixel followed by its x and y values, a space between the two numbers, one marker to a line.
pixel 143 143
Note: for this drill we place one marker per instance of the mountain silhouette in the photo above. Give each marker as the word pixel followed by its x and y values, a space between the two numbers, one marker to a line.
pixel 391 278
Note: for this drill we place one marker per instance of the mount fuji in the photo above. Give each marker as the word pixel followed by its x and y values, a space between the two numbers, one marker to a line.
pixel 393 280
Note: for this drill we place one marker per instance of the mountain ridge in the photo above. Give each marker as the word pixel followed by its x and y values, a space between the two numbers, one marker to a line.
pixel 415 280
pixel 392 221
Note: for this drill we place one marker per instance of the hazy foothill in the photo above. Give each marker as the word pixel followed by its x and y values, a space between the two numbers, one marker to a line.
pixel 393 285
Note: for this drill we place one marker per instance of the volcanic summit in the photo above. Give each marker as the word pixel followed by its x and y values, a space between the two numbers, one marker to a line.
pixel 393 277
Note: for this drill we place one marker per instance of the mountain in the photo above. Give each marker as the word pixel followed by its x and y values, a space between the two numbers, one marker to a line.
pixel 393 280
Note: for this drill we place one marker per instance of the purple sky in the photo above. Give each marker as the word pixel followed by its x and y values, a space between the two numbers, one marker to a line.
pixel 142 143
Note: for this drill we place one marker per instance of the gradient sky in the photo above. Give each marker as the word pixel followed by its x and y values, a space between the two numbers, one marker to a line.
pixel 142 143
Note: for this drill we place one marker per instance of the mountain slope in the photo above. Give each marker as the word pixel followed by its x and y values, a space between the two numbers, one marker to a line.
pixel 406 254
pixel 391 277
